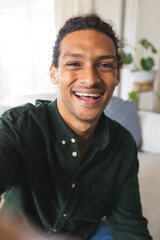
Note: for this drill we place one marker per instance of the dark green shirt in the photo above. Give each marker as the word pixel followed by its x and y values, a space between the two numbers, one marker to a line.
pixel 40 170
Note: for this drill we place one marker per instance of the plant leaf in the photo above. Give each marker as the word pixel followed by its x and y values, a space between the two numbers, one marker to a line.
pixel 147 63
pixel 154 50
pixel 126 57
pixel 144 43
pixel 133 96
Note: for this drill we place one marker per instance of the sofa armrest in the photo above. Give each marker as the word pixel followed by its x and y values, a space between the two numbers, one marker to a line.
pixel 3 108
pixel 150 129
pixel 12 101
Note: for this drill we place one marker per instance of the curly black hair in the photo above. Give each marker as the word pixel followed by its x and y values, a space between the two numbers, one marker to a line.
pixel 84 22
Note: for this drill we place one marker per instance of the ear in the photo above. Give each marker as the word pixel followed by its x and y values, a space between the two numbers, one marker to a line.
pixel 118 77
pixel 53 75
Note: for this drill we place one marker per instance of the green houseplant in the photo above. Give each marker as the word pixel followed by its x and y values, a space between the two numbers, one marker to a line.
pixel 142 62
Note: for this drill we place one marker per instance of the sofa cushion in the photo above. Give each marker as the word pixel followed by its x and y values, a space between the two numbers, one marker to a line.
pixel 125 112
pixel 150 127
pixel 149 182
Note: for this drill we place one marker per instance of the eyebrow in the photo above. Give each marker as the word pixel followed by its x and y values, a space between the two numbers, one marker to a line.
pixel 107 57
pixel 78 55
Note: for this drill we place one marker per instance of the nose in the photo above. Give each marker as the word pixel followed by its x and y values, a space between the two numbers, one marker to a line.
pixel 90 76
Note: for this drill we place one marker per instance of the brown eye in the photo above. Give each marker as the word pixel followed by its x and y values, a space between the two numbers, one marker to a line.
pixel 105 65
pixel 73 64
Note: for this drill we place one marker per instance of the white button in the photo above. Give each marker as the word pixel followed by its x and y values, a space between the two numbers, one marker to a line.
pixel 73 185
pixel 65 215
pixel 54 230
pixel 63 142
pixel 74 154
pixel 73 140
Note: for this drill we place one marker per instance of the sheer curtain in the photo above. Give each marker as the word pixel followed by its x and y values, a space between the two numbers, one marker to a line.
pixel 65 9
pixel 27 32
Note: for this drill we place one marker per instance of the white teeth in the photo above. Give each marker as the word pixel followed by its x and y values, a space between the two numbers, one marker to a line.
pixel 87 94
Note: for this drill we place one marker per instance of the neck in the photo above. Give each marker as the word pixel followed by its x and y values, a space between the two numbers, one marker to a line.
pixel 84 144
pixel 83 130
pixel 85 133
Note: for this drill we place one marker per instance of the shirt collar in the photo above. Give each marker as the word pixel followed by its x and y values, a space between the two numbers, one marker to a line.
pixel 61 131
pixel 102 137
pixel 64 135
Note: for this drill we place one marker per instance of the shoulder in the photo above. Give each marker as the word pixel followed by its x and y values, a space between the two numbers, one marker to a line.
pixel 18 123
pixel 114 125
pixel 119 133
pixel 122 146
pixel 25 111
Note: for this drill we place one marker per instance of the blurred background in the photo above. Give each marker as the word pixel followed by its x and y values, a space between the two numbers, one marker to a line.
pixel 28 30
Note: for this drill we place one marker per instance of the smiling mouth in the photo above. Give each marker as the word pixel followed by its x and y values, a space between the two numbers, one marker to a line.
pixel 88 95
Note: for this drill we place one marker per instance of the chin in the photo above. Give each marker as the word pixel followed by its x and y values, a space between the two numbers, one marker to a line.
pixel 88 117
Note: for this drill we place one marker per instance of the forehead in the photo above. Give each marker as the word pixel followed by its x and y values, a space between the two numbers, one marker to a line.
pixel 87 41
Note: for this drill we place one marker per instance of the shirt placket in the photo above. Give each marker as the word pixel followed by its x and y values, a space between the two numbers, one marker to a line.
pixel 69 206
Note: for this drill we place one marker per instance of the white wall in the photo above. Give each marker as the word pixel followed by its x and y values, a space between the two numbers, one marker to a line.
pixel 111 9
pixel 133 20
pixel 129 35
pixel 141 21
pixel 148 20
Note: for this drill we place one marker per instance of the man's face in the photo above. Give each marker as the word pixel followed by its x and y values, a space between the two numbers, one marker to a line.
pixel 87 75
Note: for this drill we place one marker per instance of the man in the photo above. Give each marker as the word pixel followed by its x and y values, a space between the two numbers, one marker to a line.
pixel 63 163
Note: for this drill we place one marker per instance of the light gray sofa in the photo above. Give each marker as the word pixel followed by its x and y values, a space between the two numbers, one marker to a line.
pixel 149 158
pixel 149 173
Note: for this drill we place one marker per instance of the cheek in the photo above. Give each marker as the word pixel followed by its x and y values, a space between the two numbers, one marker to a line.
pixel 109 79
pixel 66 78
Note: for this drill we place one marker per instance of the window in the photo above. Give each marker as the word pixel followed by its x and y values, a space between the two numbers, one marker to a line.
pixel 26 42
